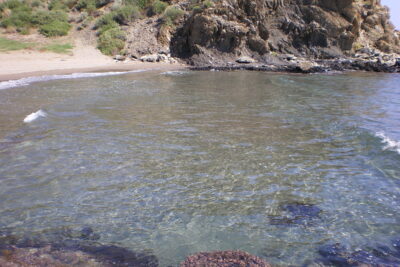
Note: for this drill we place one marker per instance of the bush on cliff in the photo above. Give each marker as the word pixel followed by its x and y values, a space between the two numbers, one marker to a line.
pixel 18 15
pixel 122 15
pixel 158 7
pixel 142 4
pixel 171 14
pixel 112 41
pixel 126 14
pixel 55 28
pixel 22 17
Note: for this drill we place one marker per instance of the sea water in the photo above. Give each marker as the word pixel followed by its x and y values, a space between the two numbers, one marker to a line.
pixel 278 165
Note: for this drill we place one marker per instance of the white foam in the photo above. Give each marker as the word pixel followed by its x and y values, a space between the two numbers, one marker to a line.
pixel 29 80
pixel 35 115
pixel 390 144
pixel 175 73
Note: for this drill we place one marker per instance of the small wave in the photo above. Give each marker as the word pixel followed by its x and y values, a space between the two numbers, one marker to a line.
pixel 33 116
pixel 175 73
pixel 29 80
pixel 390 144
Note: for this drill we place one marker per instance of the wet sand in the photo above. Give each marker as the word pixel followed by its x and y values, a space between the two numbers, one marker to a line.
pixel 21 64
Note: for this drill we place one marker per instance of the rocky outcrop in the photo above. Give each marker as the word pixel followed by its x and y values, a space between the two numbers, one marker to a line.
pixel 316 29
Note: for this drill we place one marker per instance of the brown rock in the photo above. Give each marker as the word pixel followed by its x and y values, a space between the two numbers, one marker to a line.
pixel 224 259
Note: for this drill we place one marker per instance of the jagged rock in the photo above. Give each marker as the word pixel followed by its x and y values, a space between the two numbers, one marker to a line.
pixel 257 44
pixel 173 60
pixel 162 58
pixel 245 60
pixel 323 29
pixel 119 57
pixel 149 58
pixel 306 66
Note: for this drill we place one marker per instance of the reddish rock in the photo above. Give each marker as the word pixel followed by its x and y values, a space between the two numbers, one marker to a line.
pixel 46 256
pixel 228 258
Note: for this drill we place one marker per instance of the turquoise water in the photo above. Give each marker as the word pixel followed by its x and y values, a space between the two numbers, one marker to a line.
pixel 175 163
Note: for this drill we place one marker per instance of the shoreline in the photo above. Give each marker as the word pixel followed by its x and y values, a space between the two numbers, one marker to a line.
pixel 117 67
pixel 332 66
pixel 23 64
pixel 20 64
pixel 309 66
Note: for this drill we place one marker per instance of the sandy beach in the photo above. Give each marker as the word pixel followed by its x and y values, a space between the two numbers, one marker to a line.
pixel 85 58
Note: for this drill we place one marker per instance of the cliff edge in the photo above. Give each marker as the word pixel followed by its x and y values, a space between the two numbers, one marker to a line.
pixel 314 29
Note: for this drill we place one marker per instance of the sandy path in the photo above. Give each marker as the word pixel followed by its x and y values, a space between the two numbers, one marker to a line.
pixel 85 58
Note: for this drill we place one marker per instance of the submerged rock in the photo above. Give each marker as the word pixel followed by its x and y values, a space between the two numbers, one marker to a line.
pixel 338 255
pixel 47 256
pixel 296 214
pixel 67 247
pixel 82 256
pixel 228 258
pixel 302 210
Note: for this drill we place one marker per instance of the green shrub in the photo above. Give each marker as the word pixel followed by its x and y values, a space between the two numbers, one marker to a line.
pixel 9 45
pixel 104 20
pixel 197 9
pixel 142 4
pixel 106 27
pixel 122 15
pixel 43 17
pixel 126 14
pixel 55 28
pixel 20 18
pixel 13 4
pixel 171 14
pixel 57 5
pixel 158 7
pixel 101 3
pixel 208 4
pixel 88 5
pixel 36 3
pixel 111 42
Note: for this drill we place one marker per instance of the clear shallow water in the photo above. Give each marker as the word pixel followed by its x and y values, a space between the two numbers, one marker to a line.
pixel 176 163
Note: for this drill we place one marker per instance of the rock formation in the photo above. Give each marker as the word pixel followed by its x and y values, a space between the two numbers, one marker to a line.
pixel 318 29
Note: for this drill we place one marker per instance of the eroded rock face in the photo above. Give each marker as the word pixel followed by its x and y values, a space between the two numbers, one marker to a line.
pixel 313 28
pixel 224 259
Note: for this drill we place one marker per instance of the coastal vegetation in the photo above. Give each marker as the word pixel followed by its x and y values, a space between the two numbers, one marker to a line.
pixel 23 16
pixel 55 47
pixel 60 48
pixel 106 17
pixel 10 45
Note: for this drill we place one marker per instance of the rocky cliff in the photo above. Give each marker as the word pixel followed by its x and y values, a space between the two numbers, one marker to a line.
pixel 320 29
